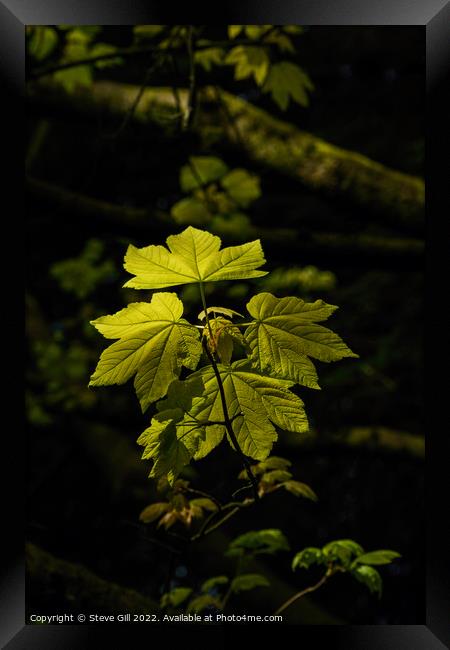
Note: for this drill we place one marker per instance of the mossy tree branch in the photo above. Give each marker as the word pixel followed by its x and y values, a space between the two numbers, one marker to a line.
pixel 272 143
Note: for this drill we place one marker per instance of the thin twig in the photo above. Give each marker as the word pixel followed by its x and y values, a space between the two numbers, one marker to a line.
pixel 204 494
pixel 308 590
pixel 226 416
pixel 125 53
pixel 206 529
pixel 192 97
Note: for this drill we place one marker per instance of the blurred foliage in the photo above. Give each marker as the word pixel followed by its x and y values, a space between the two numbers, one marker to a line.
pixel 81 275
pixel 61 367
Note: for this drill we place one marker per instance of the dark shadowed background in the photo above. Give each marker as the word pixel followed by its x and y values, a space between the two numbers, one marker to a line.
pixel 365 456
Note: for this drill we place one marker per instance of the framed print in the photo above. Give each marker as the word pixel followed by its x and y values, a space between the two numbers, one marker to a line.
pixel 232 251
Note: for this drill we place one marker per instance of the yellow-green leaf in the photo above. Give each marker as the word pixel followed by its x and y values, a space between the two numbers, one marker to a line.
pixel 193 256
pixel 285 334
pixel 170 448
pixel 255 403
pixel 154 343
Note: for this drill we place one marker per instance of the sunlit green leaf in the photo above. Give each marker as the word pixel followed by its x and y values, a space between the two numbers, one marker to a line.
pixel 285 334
pixel 194 256
pixel 154 343
pixel 254 401
pixel 169 448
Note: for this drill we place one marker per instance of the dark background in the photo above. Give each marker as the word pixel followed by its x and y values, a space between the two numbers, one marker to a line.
pixel 87 483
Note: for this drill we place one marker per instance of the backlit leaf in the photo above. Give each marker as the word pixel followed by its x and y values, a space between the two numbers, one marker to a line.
pixel 254 402
pixel 285 334
pixel 154 343
pixel 193 256
pixel 170 448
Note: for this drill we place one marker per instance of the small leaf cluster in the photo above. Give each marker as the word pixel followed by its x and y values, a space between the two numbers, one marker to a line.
pixel 81 275
pixel 283 80
pixel 217 196
pixel 273 474
pixel 345 555
pixel 70 43
pixel 249 398
pixel 177 507
pixel 215 591
pixel 185 505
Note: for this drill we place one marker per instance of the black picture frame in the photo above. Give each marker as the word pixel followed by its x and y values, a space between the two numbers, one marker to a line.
pixel 434 17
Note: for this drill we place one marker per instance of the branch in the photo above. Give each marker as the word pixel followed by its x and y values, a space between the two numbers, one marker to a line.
pixel 73 582
pixel 192 97
pixel 308 590
pixel 226 416
pixel 370 248
pixel 272 143
pixel 88 207
pixel 132 52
